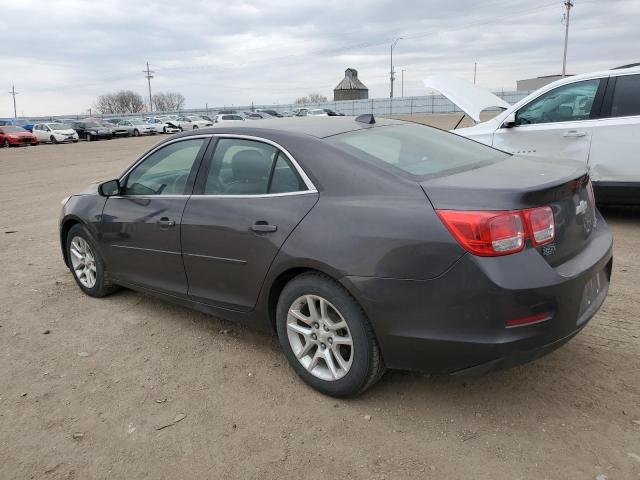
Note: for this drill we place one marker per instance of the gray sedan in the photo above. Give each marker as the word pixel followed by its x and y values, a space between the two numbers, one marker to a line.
pixel 362 244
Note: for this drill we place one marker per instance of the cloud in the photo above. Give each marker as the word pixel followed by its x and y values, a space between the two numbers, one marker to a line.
pixel 64 53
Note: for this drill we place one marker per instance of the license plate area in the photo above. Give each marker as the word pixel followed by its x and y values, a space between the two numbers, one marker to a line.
pixel 592 292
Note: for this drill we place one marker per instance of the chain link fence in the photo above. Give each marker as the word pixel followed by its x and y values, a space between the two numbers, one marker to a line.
pixel 428 104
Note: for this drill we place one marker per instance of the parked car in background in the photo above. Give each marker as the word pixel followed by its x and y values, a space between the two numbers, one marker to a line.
pixel 227 119
pixel 193 122
pixel 593 118
pixel 117 129
pixel 15 136
pixel 273 113
pixel 446 256
pixel 136 127
pixel 332 113
pixel 90 130
pixel 227 112
pixel 256 115
pixel 207 117
pixel 54 133
pixel 164 126
pixel 287 113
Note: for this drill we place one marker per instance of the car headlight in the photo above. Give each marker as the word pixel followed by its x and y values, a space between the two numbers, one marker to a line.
pixel 93 132
pixel 65 200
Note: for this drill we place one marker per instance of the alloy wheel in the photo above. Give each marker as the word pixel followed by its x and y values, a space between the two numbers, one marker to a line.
pixel 319 337
pixel 83 262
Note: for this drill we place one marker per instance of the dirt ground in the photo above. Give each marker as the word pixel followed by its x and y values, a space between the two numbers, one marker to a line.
pixel 86 384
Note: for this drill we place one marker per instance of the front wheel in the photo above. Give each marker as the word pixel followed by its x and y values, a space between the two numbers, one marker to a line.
pixel 86 263
pixel 326 336
pixel 6 143
pixel 53 139
pixel 195 127
pixel 136 133
pixel 89 137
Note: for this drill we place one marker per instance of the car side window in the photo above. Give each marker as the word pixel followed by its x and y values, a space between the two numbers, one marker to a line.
pixel 166 171
pixel 563 104
pixel 626 96
pixel 247 167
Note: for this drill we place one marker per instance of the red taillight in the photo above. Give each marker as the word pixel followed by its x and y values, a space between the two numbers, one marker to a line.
pixel 540 221
pixel 493 233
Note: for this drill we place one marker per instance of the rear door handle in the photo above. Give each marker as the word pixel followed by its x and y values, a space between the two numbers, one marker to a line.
pixel 574 133
pixel 165 222
pixel 263 227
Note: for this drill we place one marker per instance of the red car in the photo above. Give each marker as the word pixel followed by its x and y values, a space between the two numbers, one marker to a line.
pixel 13 135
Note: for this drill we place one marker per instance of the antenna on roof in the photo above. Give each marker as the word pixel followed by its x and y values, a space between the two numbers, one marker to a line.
pixel 366 118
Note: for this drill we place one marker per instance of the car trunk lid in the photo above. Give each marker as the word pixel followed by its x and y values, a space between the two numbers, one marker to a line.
pixel 518 183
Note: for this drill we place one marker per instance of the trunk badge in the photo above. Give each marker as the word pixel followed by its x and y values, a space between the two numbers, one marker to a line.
pixel 581 207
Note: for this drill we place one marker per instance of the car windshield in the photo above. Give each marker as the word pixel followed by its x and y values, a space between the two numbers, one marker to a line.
pixel 11 128
pixel 91 125
pixel 417 149
pixel 59 126
pixel 135 120
pixel 194 119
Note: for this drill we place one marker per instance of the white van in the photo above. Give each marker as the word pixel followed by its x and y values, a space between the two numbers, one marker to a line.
pixel 594 118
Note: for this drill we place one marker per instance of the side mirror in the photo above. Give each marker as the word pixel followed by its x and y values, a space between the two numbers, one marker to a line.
pixel 510 121
pixel 110 188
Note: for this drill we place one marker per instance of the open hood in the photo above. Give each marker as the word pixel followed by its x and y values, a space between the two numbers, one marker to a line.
pixel 470 98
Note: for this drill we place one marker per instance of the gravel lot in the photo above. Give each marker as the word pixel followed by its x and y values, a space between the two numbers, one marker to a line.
pixel 86 384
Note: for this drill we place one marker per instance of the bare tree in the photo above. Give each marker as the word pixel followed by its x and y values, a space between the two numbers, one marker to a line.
pixel 311 98
pixel 124 101
pixel 168 101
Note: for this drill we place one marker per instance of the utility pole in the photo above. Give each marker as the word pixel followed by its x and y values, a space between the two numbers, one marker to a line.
pixel 402 82
pixel 568 4
pixel 149 76
pixel 475 68
pixel 392 72
pixel 14 93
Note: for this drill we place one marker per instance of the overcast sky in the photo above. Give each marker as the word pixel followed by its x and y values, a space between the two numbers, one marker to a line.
pixel 61 54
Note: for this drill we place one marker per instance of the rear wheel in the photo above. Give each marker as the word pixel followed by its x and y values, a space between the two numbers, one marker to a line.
pixel 195 127
pixel 326 336
pixel 86 263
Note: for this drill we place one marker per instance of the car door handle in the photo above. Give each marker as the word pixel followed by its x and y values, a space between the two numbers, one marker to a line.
pixel 165 222
pixel 263 227
pixel 574 133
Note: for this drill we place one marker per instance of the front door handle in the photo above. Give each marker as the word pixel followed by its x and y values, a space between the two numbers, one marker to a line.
pixel 574 133
pixel 165 222
pixel 263 227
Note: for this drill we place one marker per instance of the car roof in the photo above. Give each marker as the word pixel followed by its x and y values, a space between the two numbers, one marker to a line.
pixel 319 127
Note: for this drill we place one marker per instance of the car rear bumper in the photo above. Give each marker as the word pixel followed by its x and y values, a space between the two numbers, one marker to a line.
pixel 457 322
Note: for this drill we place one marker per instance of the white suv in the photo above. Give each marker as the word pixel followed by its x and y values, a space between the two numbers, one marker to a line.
pixel 594 118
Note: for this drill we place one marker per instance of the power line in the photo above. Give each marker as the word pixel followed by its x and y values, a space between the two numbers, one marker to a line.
pixel 14 93
pixel 149 76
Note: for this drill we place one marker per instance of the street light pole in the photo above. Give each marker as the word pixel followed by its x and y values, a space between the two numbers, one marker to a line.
pixel 392 72
pixel 402 82
pixel 568 4
pixel 475 67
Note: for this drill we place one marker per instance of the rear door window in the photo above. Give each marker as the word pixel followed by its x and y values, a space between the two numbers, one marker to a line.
pixel 626 96
pixel 247 167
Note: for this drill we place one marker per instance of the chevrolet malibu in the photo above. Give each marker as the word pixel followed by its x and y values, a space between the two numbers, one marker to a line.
pixel 361 244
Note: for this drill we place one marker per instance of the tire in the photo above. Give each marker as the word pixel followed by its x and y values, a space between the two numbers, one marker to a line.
pixel 362 364
pixel 53 139
pixel 195 127
pixel 79 235
pixel 164 130
pixel 6 143
pixel 180 128
pixel 89 137
pixel 136 133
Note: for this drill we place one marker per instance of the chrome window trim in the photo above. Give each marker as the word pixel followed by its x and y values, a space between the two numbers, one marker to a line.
pixel 311 188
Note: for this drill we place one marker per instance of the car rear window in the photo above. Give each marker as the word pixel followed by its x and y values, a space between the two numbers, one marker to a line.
pixel 417 149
